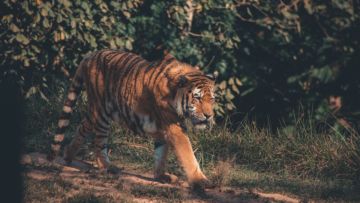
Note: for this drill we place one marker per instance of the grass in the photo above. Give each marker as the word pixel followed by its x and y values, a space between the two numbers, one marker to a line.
pixel 325 189
pixel 171 194
pixel 44 190
pixel 299 159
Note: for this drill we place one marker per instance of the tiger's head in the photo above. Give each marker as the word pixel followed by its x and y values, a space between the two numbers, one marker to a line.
pixel 195 98
pixel 199 102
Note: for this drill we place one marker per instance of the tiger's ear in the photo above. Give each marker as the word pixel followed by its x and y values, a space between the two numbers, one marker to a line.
pixel 182 81
pixel 197 67
pixel 176 79
pixel 167 55
pixel 212 76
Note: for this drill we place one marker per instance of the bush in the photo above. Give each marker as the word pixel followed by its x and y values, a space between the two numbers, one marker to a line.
pixel 271 56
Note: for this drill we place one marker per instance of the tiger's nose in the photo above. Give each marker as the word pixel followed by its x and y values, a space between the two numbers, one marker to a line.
pixel 207 116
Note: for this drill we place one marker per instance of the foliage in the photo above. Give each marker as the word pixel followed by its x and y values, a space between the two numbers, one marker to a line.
pixel 283 52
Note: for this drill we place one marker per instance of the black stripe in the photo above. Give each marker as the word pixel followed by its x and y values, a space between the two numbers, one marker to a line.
pixel 99 122
pixel 138 70
pixel 113 55
pixel 56 142
pixel 133 56
pixel 105 117
pixel 114 79
pixel 101 136
pixel 107 76
pixel 90 89
pixel 152 64
pixel 102 146
pixel 127 113
pixel 183 126
pixel 194 74
pixel 162 67
pixel 187 105
pixel 119 76
pixel 100 129
pixel 69 102
pixel 183 103
pixel 100 63
pixel 65 115
pixel 129 75
pixel 60 130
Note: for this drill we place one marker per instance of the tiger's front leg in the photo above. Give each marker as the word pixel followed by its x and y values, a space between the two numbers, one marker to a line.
pixel 161 152
pixel 185 155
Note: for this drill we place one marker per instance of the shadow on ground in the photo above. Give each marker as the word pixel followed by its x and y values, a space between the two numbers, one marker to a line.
pixel 82 182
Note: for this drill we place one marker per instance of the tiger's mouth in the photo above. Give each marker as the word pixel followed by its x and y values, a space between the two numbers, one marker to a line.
pixel 202 124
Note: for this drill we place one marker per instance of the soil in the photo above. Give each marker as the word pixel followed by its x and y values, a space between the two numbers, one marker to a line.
pixel 83 176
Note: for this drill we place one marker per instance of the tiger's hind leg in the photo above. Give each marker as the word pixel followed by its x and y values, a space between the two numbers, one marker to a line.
pixel 83 130
pixel 101 130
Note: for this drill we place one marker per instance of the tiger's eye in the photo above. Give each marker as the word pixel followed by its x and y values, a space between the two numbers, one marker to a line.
pixel 197 96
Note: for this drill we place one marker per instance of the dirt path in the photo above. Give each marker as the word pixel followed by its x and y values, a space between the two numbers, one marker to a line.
pixel 128 185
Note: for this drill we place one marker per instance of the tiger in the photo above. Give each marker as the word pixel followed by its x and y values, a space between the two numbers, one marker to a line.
pixel 151 98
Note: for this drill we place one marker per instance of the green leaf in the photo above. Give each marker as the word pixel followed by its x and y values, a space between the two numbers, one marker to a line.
pixel 308 7
pixel 324 74
pixel 238 82
pixel 14 28
pixel 66 3
pixel 127 14
pixel 230 106
pixel 73 23
pixel 59 18
pixel 22 39
pixel 231 81
pixel 229 96
pixel 31 91
pixel 235 89
pixel 26 63
pixel 128 45
pixel 46 23
pixel 248 91
pixel 222 85
pixel 42 95
pixel 35 48
pixel 112 44
pixel 93 41
pixel 44 11
pixel 103 7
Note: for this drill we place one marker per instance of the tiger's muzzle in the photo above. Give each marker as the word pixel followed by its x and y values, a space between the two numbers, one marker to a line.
pixel 202 124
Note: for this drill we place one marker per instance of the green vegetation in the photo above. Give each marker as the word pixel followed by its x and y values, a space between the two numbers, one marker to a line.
pixel 271 56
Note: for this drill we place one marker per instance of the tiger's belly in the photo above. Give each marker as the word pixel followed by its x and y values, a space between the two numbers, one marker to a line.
pixel 138 123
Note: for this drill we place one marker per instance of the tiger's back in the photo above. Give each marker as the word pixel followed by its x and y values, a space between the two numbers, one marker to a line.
pixel 125 87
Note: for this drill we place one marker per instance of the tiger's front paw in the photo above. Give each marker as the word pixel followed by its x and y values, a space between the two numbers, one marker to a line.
pixel 166 178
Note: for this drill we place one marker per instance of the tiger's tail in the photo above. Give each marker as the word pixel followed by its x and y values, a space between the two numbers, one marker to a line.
pixel 72 95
